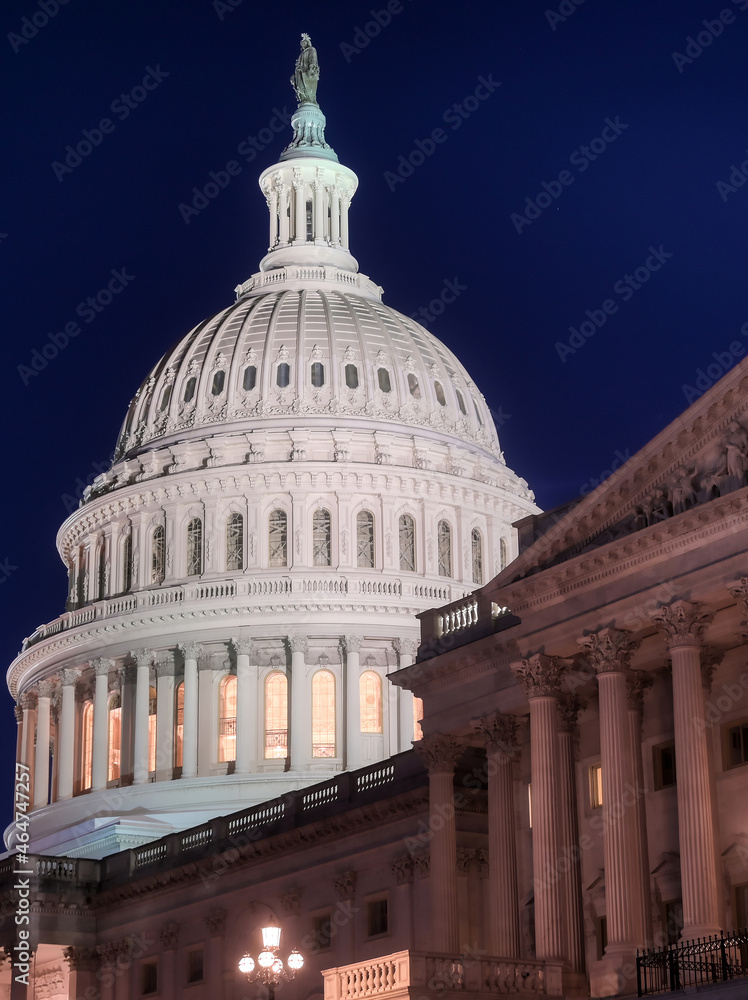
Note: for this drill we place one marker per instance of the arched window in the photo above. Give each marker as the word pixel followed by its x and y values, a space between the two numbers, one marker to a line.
pixel 158 554
pixel 194 547
pixel 351 376
pixel 444 542
pixel 322 538
pixel 461 402
pixel 318 374
pixel 283 375
pixel 370 692
pixel 101 572
pixel 502 553
pixel 227 719
pixel 417 716
pixel 151 729
pixel 323 714
pixel 86 745
pixel 235 542
pixel 179 724
pixel 165 397
pixel 276 716
pixel 407 537
pixel 127 564
pixel 250 378
pixel 477 413
pixel 476 550
pixel 278 538
pixel 115 737
pixel 365 539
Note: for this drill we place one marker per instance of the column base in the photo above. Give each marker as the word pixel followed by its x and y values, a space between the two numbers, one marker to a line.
pixel 694 931
pixel 615 973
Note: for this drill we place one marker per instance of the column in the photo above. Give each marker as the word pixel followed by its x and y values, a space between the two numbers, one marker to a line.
pixel 190 651
pixel 333 196
pixel 124 963
pixel 143 660
pixel 439 755
pixel 683 626
pixel 636 685
pixel 299 194
pixel 406 652
pixel 126 678
pixel 100 760
pixel 273 206
pixel 18 711
pixel 320 216
pixel 300 747
pixel 83 964
pixel 283 214
pixel 41 758
pixel 568 712
pixel 167 981
pixel 208 716
pixel 27 701
pixel 345 201
pixel 608 651
pixel 68 676
pixel 215 921
pixel 165 695
pixel 539 675
pixel 500 735
pixel 351 646
pixel 246 707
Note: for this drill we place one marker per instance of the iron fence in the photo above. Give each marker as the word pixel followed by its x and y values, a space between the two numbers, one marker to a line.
pixel 692 963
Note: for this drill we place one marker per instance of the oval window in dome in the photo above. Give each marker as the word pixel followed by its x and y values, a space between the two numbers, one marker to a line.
pixel 165 397
pixel 189 389
pixel 384 380
pixel 415 389
pixel 440 397
pixel 461 402
pixel 250 378
pixel 351 376
pixel 218 379
pixel 283 375
pixel 318 374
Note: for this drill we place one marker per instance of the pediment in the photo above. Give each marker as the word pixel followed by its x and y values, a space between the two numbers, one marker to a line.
pixel 698 458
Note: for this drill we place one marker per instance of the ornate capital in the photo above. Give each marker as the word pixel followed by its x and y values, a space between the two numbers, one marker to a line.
pixel 405 647
pixel 242 647
pixel 142 657
pixel 438 753
pixel 483 863
pixel 291 902
pixel 169 936
pixel 499 733
pixel 608 650
pixel 637 683
pixel 165 667
pixel 345 885
pixel 298 644
pixel 46 689
pixel 69 676
pixel 402 869
pixel 127 673
pixel 101 666
pixel 711 657
pixel 465 856
pixel 81 959
pixel 539 675
pixel 18 713
pixel 682 624
pixel 351 643
pixel 422 863
pixel 190 650
pixel 740 592
pixel 569 708
pixel 215 921
pixel 27 701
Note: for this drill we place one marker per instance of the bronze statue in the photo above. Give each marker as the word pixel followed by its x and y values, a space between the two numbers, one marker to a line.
pixel 305 78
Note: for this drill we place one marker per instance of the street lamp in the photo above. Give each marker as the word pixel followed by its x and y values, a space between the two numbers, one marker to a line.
pixel 271 969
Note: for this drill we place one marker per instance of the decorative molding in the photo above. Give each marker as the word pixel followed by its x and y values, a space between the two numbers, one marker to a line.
pixel 465 856
pixel 351 643
pixel 190 650
pixel 169 935
pixel 499 733
pixel 345 886
pixel 402 869
pixel 215 921
pixel 298 644
pixel 46 689
pixel 242 646
pixel 291 902
pixel 405 647
pixel 638 682
pixel 69 676
pixel 101 666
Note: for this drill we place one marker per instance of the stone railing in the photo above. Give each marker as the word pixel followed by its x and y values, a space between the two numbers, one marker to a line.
pixel 405 972
pixel 465 620
pixel 280 275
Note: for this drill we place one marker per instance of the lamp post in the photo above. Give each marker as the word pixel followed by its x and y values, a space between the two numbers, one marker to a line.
pixel 270 969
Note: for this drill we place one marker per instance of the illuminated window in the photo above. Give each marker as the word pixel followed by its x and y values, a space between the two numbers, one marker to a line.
pixel 323 714
pixel 407 537
pixel 227 720
pixel 127 564
pixel 158 554
pixel 365 539
pixel 151 729
pixel 413 386
pixel 195 547
pixel 370 689
pixel 179 725
pixel 417 716
pixel 318 374
pixel 278 537
pixel 235 542
pixel 86 745
pixel 250 378
pixel 444 542
pixel 596 786
pixel 351 376
pixel 383 377
pixel 276 716
pixel 321 538
pixel 115 737
pixel 502 553
pixel 476 547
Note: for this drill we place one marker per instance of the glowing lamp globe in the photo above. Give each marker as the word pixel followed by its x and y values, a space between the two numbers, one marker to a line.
pixel 266 959
pixel 246 964
pixel 295 961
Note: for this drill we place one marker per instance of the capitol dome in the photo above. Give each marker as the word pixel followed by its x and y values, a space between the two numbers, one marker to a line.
pixel 294 482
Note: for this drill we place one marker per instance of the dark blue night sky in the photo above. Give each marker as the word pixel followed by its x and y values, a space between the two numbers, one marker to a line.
pixel 581 187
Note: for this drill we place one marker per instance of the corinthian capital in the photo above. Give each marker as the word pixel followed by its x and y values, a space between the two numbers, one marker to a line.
pixel 242 647
pixel 608 650
pixel 539 675
pixel 298 644
pixel 499 733
pixel 405 647
pixel 46 689
pixel 569 708
pixel 438 753
pixel 190 650
pixel 142 657
pixel 101 666
pixel 636 684
pixel 351 643
pixel 69 676
pixel 682 624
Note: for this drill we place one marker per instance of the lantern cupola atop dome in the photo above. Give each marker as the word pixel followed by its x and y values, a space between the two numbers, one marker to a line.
pixel 308 191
